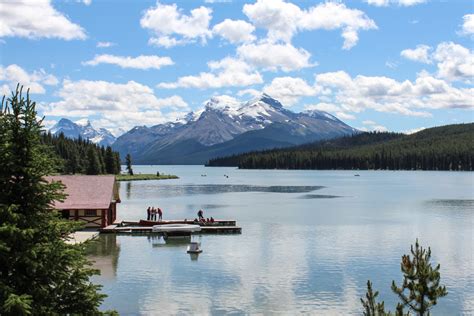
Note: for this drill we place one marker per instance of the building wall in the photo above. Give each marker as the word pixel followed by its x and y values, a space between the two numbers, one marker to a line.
pixel 93 218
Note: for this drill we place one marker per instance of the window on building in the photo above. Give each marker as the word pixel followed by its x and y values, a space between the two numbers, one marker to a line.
pixel 91 213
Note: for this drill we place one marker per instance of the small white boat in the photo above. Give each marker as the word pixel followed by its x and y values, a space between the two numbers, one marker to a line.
pixel 194 247
pixel 178 228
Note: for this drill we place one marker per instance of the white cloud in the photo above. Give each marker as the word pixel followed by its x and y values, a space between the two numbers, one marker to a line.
pixel 289 90
pixel 166 41
pixel 167 21
pixel 468 24
pixel 272 56
pixel 407 3
pixel 140 62
pixel 420 54
pixel 384 3
pixel 323 106
pixel 283 19
pixel 217 1
pixel 228 72
pixel 373 126
pixel 455 62
pixel 36 19
pixel 105 44
pixel 87 2
pixel 235 31
pixel 14 74
pixel 385 94
pixel 345 116
pixel 122 105
pixel 251 92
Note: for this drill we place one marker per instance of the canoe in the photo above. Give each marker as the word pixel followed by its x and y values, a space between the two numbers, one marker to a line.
pixel 176 228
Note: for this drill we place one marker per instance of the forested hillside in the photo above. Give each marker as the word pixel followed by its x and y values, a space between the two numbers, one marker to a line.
pixel 81 156
pixel 448 147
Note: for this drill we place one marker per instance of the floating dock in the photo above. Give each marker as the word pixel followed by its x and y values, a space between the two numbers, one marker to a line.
pixel 146 227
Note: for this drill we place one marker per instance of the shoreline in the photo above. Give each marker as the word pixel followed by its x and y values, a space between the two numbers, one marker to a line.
pixel 136 177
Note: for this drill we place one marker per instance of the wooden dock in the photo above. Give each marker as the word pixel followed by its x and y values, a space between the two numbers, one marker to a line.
pixel 146 227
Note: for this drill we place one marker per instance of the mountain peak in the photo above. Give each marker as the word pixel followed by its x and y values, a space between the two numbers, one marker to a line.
pixel 267 99
pixel 84 129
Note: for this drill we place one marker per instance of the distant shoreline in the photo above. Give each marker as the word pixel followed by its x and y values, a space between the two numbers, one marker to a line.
pixel 136 177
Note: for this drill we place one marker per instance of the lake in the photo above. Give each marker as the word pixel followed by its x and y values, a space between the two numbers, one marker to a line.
pixel 310 241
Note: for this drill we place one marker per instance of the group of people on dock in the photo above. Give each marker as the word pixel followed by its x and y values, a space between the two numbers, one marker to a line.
pixel 151 213
pixel 201 219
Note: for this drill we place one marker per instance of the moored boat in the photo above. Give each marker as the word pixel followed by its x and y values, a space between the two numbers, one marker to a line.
pixel 170 228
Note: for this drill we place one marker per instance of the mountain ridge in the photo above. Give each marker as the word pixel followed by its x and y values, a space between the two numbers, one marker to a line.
pixel 83 129
pixel 227 125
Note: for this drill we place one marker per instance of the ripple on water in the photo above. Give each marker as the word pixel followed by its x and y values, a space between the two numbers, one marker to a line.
pixel 184 190
pixel 319 196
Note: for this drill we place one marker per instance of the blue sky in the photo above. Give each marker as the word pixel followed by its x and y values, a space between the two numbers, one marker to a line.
pixel 397 65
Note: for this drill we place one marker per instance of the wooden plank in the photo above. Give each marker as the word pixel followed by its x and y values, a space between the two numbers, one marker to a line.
pixel 148 229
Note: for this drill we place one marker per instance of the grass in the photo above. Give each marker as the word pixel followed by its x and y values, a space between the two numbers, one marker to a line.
pixel 144 176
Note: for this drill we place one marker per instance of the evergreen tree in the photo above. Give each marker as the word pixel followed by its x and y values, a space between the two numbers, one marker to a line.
pixel 93 162
pixel 118 166
pixel 39 272
pixel 128 163
pixel 110 161
pixel 420 290
pixel 371 307
pixel 421 287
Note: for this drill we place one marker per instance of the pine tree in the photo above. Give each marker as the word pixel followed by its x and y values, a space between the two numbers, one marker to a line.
pixel 128 163
pixel 421 287
pixel 110 167
pixel 420 290
pixel 93 162
pixel 39 272
pixel 371 307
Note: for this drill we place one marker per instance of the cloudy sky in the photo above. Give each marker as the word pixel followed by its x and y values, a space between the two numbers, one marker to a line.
pixel 397 65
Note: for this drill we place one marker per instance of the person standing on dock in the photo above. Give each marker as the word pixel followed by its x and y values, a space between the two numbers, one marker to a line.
pixel 200 214
pixel 160 214
pixel 153 214
pixel 148 213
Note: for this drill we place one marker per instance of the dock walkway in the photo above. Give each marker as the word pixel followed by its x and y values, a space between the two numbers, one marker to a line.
pixel 146 227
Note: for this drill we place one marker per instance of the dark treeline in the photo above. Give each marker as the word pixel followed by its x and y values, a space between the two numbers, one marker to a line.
pixel 448 147
pixel 81 156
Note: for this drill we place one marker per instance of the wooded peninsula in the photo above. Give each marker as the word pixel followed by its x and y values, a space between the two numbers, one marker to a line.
pixel 449 147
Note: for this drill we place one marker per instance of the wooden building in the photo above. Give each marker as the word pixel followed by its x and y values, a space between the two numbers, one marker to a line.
pixel 91 199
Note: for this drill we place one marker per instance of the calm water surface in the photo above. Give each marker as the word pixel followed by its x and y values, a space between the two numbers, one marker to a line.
pixel 310 241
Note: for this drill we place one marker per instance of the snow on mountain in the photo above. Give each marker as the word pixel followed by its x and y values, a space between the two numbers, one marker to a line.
pixel 84 129
pixel 225 125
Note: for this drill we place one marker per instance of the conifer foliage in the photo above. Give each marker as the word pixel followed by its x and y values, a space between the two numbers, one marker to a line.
pixel 419 291
pixel 81 156
pixel 39 272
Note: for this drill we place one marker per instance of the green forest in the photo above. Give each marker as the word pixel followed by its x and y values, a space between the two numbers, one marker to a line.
pixel 449 147
pixel 81 156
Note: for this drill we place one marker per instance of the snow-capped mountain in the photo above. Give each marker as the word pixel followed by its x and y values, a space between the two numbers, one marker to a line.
pixel 225 126
pixel 83 129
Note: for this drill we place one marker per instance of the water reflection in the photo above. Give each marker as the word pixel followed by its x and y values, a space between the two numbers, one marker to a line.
pixel 319 196
pixel 147 189
pixel 128 189
pixel 298 253
pixel 104 254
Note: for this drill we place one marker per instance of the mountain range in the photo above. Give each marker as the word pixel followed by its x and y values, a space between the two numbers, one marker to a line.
pixel 83 129
pixel 226 127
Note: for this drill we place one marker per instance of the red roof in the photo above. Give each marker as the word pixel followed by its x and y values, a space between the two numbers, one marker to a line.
pixel 86 192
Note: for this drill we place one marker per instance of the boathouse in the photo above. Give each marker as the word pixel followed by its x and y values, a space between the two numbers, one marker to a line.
pixel 91 199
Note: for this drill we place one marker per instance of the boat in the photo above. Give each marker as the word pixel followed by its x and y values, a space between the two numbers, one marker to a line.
pixel 194 247
pixel 167 228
